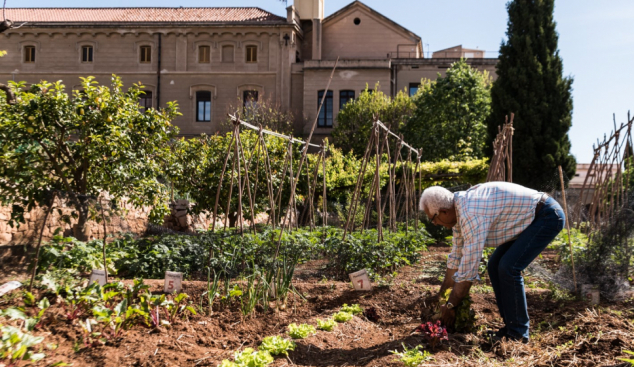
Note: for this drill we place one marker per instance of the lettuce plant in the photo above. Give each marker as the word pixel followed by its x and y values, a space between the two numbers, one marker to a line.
pixel 342 316
pixel 277 345
pixel 326 325
pixel 413 357
pixel 249 358
pixel 354 309
pixel 300 331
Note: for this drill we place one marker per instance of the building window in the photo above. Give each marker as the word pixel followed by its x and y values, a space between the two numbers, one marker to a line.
pixel 203 106
pixel 250 98
pixel 29 53
pixel 252 54
pixel 86 53
pixel 344 97
pixel 413 88
pixel 325 114
pixel 227 53
pixel 146 54
pixel 204 54
pixel 145 101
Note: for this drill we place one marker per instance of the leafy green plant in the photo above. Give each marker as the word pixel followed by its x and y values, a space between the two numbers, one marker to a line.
pixel 326 325
pixel 465 316
pixel 413 357
pixel 629 360
pixel 300 331
pixel 354 309
pixel 342 316
pixel 177 307
pixel 213 287
pixel 18 346
pixel 249 358
pixel 277 345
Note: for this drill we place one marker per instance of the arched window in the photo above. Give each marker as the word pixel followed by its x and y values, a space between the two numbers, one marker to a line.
pixel 325 114
pixel 203 106
pixel 86 54
pixel 29 54
pixel 145 101
pixel 344 97
pixel 252 53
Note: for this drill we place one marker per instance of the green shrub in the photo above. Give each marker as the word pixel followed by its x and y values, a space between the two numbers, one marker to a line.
pixel 300 331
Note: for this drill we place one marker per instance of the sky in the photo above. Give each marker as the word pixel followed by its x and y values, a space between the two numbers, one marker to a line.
pixel 596 43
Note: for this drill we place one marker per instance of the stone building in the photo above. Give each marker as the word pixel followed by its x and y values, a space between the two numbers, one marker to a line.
pixel 208 58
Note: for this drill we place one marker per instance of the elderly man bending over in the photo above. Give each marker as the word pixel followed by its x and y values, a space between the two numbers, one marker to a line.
pixel 517 220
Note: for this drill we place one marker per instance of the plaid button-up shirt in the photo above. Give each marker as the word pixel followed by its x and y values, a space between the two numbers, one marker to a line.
pixel 488 214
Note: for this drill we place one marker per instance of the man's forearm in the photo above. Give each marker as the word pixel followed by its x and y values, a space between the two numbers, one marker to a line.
pixel 448 281
pixel 460 291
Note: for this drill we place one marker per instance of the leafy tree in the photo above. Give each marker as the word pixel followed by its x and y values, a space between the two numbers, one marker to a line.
pixel 97 140
pixel 354 121
pixel 530 84
pixel 449 119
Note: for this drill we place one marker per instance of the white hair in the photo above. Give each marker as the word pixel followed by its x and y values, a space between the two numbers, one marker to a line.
pixel 435 198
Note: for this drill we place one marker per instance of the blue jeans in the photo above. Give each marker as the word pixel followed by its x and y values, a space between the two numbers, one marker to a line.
pixel 509 260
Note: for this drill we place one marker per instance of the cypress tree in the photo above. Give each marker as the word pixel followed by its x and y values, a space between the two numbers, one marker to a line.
pixel 530 84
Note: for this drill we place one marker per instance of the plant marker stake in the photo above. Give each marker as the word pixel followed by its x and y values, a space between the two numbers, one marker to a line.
pixel 39 241
pixel 572 255
pixel 173 282
pixel 305 152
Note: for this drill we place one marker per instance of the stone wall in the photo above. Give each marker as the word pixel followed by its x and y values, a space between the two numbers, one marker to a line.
pixel 132 220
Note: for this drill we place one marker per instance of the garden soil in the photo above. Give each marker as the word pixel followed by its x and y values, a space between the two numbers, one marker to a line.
pixel 564 332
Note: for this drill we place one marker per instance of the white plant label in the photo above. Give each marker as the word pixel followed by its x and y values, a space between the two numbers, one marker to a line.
pixel 98 276
pixel 173 281
pixel 361 281
pixel 8 287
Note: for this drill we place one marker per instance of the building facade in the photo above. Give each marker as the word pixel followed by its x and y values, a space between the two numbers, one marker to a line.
pixel 212 59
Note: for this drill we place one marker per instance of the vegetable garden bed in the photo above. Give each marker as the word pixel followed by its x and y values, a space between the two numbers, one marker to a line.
pixel 564 332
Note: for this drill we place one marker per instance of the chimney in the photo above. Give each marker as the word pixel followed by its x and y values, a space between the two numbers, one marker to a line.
pixel 312 10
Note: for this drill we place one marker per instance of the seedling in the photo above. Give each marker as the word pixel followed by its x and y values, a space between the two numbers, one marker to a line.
pixel 433 333
pixel 413 357
pixel 277 345
pixel 342 316
pixel 177 307
pixel 326 325
pixel 354 309
pixel 300 331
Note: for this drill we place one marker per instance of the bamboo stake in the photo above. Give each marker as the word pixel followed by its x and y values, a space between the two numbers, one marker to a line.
pixel 233 169
pixel 247 182
pixel 379 225
pixel 39 241
pixel 105 234
pixel 325 209
pixel 222 175
pixel 572 254
pixel 237 155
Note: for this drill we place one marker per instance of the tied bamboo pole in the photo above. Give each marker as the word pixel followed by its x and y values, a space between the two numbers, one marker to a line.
pixel 39 241
pixel 105 234
pixel 572 257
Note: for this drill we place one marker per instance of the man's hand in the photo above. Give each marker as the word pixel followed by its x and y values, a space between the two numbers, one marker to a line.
pixel 431 302
pixel 447 316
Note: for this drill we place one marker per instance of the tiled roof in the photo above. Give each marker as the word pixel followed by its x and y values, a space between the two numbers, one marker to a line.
pixel 142 15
